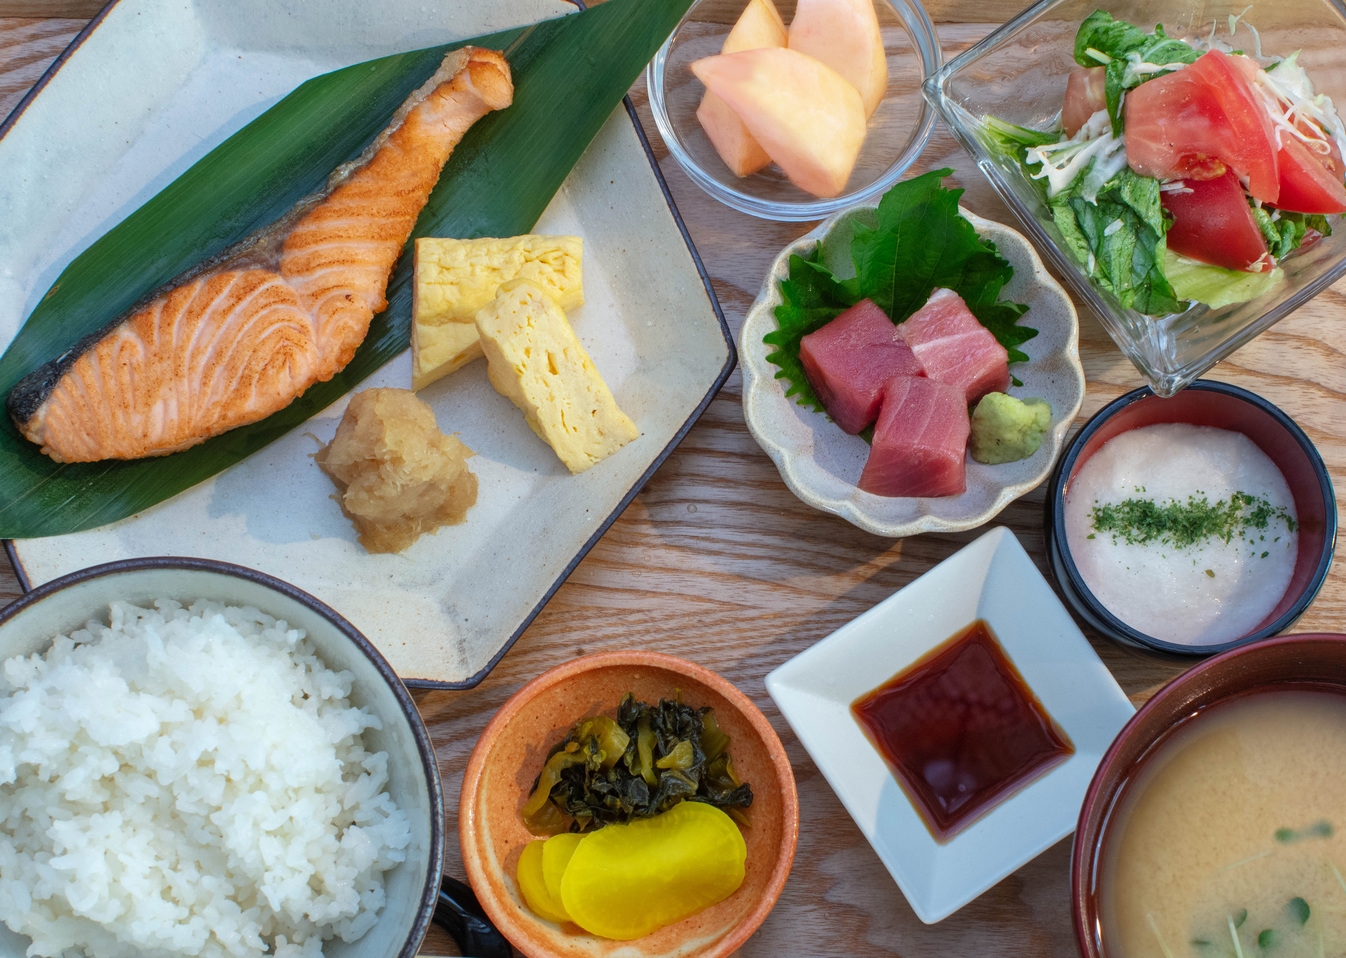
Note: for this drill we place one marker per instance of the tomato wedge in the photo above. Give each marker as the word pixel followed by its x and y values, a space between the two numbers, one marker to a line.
pixel 1310 182
pixel 1197 121
pixel 1086 94
pixel 1213 224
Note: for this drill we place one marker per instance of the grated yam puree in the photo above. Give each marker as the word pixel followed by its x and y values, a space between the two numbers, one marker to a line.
pixel 189 782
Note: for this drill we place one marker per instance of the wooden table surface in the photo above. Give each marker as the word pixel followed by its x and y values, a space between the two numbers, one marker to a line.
pixel 718 562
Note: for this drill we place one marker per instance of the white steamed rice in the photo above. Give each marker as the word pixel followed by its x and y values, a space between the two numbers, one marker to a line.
pixel 189 782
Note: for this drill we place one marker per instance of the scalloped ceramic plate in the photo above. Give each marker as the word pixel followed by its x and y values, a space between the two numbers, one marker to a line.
pixel 821 464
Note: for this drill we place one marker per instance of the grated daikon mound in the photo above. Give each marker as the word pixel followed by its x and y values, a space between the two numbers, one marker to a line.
pixel 189 782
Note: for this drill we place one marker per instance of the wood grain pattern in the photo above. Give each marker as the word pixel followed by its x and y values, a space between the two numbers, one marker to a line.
pixel 27 47
pixel 82 10
pixel 716 561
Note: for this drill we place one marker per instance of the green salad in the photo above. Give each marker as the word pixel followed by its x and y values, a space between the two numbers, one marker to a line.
pixel 1181 171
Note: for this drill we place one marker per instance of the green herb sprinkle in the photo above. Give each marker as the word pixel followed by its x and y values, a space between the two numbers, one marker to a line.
pixel 1179 524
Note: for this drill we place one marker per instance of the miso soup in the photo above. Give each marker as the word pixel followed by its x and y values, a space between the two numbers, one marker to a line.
pixel 1231 840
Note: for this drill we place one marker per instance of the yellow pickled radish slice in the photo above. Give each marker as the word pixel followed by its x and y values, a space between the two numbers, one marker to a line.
pixel 533 886
pixel 556 852
pixel 625 881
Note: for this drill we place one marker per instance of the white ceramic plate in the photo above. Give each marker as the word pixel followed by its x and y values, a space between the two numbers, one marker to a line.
pixel 821 464
pixel 157 84
pixel 991 579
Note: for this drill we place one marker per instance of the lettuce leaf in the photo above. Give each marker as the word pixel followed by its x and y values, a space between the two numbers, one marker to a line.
pixel 920 243
pixel 1117 40
pixel 1120 240
pixel 1214 285
pixel 1286 232
pixel 1010 140
pixel 1119 46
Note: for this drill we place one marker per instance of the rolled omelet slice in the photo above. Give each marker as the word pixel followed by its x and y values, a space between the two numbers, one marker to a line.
pixel 534 360
pixel 455 278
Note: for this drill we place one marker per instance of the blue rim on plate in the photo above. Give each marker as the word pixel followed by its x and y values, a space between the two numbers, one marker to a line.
pixel 713 389
pixel 1082 600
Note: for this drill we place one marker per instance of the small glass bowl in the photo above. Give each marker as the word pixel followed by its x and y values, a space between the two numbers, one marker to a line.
pixel 1018 73
pixel 898 131
pixel 1203 403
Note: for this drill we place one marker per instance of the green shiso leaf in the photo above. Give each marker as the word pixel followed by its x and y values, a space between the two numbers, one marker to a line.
pixel 919 242
pixel 569 73
pixel 813 297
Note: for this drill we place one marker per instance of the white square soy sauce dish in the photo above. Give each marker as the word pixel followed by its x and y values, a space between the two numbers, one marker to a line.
pixel 992 579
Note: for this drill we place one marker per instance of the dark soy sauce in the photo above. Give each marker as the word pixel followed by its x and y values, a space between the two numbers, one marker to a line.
pixel 961 730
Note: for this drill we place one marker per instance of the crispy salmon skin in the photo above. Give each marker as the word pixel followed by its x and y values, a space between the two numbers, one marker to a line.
pixel 242 336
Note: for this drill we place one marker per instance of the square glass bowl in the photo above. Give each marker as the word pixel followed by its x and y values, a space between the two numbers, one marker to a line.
pixel 1018 73
pixel 897 131
pixel 992 579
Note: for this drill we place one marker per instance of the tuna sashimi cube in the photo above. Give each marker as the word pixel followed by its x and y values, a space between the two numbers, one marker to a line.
pixel 919 441
pixel 953 347
pixel 851 359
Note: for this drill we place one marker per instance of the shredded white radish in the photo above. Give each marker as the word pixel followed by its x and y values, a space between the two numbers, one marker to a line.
pixel 1284 89
pixel 1063 162
pixel 1234 20
pixel 1289 98
pixel 1136 67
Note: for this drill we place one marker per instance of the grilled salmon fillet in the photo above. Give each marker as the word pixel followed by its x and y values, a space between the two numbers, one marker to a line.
pixel 242 336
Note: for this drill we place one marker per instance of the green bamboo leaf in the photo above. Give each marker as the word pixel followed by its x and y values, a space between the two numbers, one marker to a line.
pixel 569 74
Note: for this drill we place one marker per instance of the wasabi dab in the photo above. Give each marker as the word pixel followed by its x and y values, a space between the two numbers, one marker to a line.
pixel 1004 429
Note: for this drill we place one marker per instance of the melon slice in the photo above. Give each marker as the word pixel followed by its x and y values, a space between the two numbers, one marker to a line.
pixel 759 26
pixel 808 118
pixel 844 34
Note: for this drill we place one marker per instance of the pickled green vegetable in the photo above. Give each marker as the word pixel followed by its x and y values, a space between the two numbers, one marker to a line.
pixel 646 761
